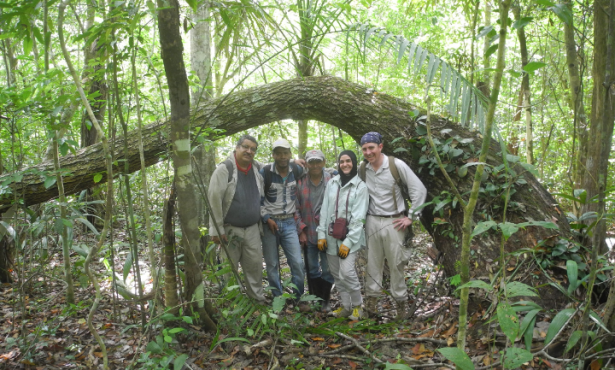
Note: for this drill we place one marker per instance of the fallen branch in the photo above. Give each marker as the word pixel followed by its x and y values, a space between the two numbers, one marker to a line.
pixel 359 346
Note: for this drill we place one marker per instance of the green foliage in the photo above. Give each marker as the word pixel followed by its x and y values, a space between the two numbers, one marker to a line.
pixel 458 357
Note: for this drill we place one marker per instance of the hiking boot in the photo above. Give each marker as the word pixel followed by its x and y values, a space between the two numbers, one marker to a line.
pixel 371 306
pixel 325 291
pixel 402 312
pixel 357 314
pixel 341 312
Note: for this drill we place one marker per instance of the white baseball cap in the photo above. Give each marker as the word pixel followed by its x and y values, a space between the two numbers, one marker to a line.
pixel 281 143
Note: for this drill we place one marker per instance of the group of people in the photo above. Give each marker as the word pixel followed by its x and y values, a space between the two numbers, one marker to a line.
pixel 327 215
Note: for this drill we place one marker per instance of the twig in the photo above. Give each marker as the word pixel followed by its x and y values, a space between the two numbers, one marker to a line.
pixel 359 346
pixel 272 356
pixel 418 366
pixel 354 358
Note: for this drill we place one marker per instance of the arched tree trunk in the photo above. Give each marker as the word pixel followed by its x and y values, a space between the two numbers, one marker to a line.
pixel 357 110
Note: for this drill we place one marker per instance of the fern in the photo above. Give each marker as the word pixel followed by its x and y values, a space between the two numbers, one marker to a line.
pixel 465 102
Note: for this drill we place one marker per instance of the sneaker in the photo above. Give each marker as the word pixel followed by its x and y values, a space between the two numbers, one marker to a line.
pixel 341 312
pixel 357 314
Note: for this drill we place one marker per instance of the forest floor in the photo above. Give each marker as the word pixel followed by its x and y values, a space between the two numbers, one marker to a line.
pixel 39 330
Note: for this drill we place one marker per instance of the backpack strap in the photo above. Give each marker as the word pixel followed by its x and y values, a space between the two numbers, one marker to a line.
pixel 398 181
pixel 229 168
pixel 267 177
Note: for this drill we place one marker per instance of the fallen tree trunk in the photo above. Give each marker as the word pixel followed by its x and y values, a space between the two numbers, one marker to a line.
pixel 356 110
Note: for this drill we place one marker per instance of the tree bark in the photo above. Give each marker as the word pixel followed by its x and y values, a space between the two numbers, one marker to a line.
pixel 525 90
pixel 348 106
pixel 179 96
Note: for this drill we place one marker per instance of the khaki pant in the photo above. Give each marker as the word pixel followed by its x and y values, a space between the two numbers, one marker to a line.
pixel 346 279
pixel 383 241
pixel 246 249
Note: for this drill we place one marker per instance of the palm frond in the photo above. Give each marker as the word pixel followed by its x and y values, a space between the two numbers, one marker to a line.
pixel 466 103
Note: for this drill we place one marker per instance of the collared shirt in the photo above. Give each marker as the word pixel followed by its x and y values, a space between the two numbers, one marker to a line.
pixel 281 198
pixel 382 188
pixel 309 202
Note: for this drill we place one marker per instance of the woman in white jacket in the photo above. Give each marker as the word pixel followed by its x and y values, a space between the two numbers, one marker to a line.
pixel 346 197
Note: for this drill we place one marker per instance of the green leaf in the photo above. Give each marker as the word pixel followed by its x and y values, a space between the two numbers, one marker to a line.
pixel 153 347
pixel 88 224
pixel 522 22
pixel 390 366
pixel 27 45
pixel 176 330
pixel 529 168
pixel 509 322
pixel 573 274
pixel 563 12
pixel 458 357
pixel 484 31
pixel 278 304
pixel 97 178
pixel 482 227
pixel 573 340
pixel 516 289
pixel 127 265
pixel 532 66
pixel 49 182
pixel 476 284
pixel 527 325
pixel 508 228
pixel 545 2
pixel 193 4
pixel 558 322
pixel 529 334
pixel 595 318
pixel 515 357
pixel 180 361
pixel 187 319
pixel 492 49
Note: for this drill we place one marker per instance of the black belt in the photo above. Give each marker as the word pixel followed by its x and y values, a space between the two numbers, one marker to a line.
pixel 390 216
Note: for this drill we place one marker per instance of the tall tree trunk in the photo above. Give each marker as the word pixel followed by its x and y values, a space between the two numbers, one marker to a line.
pixel 525 90
pixel 172 51
pixel 168 238
pixel 602 116
pixel 578 108
pixel 345 105
pixel 305 62
pixel 200 61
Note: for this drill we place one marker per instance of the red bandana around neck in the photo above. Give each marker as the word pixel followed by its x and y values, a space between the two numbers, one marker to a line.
pixel 241 169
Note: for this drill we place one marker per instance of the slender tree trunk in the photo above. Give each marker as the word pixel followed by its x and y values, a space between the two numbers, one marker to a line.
pixel 179 97
pixel 168 237
pixel 486 59
pixel 578 108
pixel 468 210
pixel 68 274
pixel 602 116
pixel 525 90
pixel 200 61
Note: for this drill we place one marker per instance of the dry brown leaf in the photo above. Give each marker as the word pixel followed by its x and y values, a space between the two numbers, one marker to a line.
pixel 318 339
pixel 427 334
pixel 596 365
pixel 487 360
pixel 334 346
pixel 337 360
pixel 450 341
pixel 98 354
pixel 452 330
pixel 352 364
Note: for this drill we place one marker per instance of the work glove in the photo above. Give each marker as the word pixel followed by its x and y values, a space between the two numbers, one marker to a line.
pixel 343 252
pixel 322 244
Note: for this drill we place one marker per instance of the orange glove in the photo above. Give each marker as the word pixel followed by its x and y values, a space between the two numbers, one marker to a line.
pixel 322 244
pixel 343 252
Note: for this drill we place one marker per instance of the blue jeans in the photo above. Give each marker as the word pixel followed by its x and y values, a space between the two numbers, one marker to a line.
pixel 315 266
pixel 288 238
